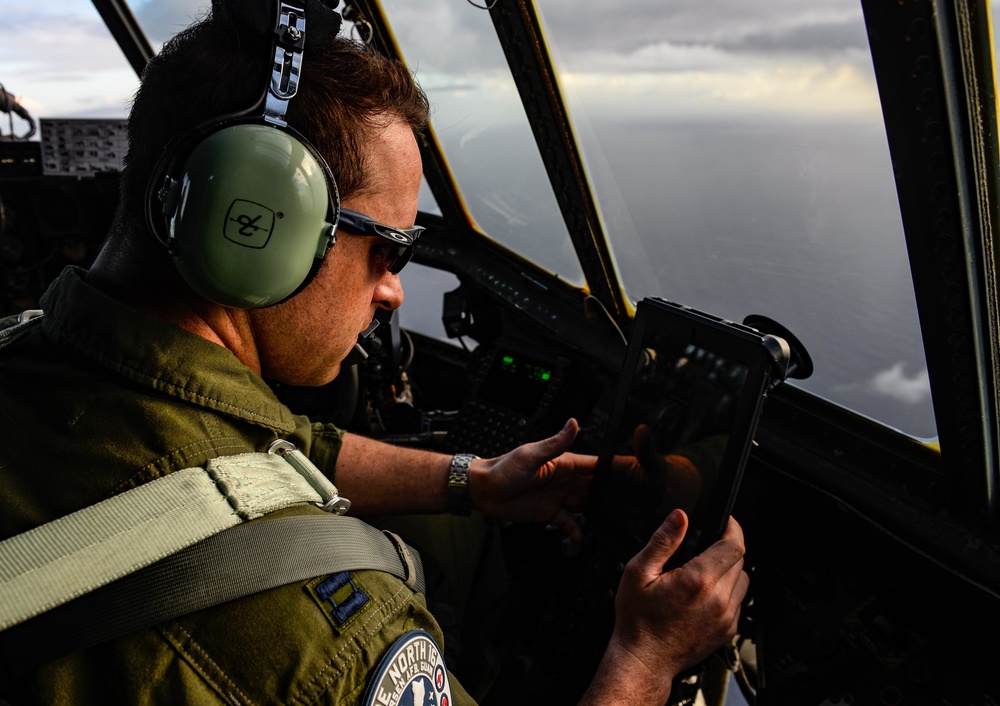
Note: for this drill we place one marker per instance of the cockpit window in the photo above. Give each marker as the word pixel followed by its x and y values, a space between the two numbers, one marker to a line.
pixel 478 118
pixel 739 157
pixel 59 61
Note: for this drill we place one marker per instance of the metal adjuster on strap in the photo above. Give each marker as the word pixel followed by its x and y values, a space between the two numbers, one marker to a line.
pixel 332 500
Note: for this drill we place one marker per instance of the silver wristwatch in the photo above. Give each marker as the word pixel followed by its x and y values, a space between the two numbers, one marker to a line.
pixel 458 484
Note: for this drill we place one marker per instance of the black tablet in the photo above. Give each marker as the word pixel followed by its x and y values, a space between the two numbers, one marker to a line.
pixel 682 424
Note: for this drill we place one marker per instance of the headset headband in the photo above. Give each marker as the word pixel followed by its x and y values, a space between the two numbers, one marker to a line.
pixel 289 44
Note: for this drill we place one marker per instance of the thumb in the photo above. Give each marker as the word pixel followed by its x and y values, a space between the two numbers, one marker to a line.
pixel 547 449
pixel 662 545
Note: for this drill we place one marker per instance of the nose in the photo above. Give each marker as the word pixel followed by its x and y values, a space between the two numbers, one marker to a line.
pixel 388 292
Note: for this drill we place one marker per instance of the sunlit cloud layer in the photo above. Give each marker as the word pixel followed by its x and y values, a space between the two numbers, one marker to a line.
pixel 817 90
pixel 651 58
pixel 804 89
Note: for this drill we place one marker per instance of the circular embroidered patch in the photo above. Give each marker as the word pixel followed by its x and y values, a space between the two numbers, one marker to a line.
pixel 411 673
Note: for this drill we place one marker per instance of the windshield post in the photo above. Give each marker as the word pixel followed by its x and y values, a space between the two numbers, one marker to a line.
pixel 519 30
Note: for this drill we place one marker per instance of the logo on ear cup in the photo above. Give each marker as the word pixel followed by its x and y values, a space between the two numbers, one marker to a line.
pixel 220 229
pixel 248 223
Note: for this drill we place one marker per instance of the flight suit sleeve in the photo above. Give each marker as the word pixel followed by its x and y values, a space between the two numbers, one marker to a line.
pixel 320 442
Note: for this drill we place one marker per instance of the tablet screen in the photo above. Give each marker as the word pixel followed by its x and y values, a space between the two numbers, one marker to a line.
pixel 682 424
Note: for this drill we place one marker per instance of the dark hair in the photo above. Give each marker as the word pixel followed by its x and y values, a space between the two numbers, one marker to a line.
pixel 347 92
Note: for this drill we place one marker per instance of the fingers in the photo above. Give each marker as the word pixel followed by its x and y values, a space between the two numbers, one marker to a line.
pixel 662 545
pixel 677 618
pixel 734 601
pixel 742 586
pixel 727 553
pixel 733 532
pixel 722 562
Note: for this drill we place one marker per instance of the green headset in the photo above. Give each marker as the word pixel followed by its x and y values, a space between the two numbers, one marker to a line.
pixel 246 206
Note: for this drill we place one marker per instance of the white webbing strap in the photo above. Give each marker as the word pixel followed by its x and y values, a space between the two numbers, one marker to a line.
pixel 68 557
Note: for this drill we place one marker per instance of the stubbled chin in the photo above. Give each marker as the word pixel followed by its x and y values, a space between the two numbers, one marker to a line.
pixel 311 378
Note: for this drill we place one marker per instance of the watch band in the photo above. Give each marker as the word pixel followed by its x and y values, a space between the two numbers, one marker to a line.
pixel 458 484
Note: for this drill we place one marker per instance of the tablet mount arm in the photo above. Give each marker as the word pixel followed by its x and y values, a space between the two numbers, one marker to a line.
pixel 799 365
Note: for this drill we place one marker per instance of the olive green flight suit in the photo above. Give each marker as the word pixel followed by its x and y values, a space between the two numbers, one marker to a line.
pixel 97 398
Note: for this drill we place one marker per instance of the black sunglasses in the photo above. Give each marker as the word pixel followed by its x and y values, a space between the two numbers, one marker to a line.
pixel 402 239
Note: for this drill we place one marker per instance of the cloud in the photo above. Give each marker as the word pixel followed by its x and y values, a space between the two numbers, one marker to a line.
pixel 732 26
pixel 894 383
pixel 646 59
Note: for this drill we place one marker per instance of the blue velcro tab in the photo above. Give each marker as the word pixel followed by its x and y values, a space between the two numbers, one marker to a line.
pixel 338 596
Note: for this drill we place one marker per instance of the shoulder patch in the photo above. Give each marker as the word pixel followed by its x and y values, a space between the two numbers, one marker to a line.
pixel 411 673
pixel 338 597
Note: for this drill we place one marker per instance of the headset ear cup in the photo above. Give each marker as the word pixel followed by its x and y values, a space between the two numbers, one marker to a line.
pixel 254 214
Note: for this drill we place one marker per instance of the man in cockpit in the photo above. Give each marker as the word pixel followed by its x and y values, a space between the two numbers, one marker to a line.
pixel 140 368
